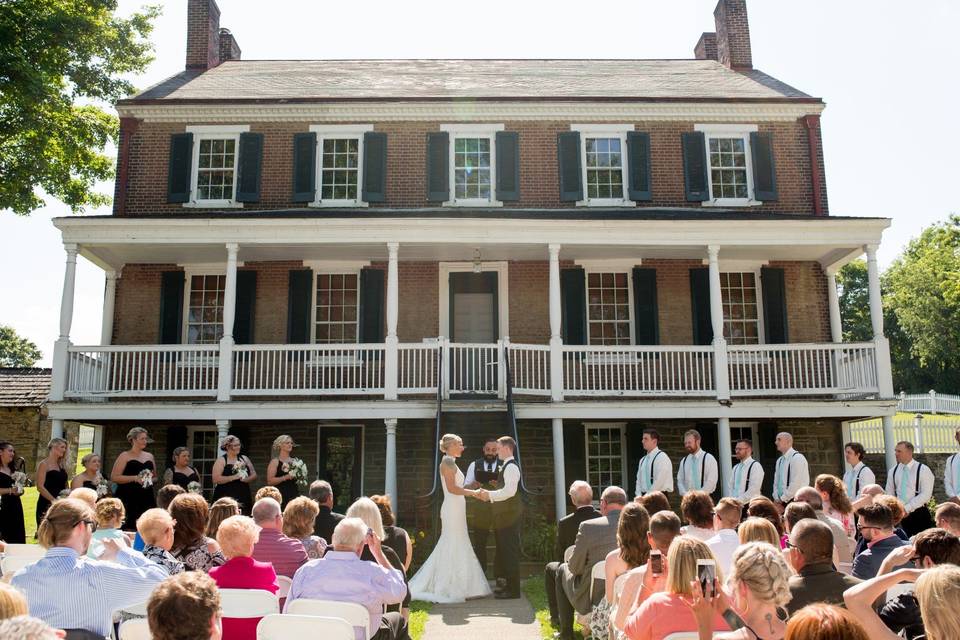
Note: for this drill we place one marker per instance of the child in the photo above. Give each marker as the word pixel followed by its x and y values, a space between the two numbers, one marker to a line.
pixel 110 515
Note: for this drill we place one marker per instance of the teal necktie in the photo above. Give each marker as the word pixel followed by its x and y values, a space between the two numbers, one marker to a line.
pixel 956 472
pixel 903 484
pixel 736 481
pixel 695 481
pixel 780 477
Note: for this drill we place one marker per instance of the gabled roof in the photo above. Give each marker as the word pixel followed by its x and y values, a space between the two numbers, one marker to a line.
pixel 24 386
pixel 319 80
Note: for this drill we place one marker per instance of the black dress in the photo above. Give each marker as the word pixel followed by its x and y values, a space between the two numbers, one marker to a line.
pixel 11 514
pixel 288 488
pixel 55 481
pixel 237 489
pixel 184 480
pixel 135 497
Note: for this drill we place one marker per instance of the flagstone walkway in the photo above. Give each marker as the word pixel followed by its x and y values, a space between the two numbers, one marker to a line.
pixel 483 619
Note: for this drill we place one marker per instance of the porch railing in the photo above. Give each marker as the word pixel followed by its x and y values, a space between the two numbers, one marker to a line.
pixel 155 370
pixel 802 369
pixel 638 371
pixel 308 369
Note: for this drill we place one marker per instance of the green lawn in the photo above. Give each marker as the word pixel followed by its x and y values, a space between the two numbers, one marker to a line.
pixel 535 591
pixel 908 417
pixel 418 618
pixel 29 501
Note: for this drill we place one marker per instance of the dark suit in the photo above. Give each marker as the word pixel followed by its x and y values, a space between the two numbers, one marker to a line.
pixel 818 583
pixel 325 523
pixel 566 535
pixel 867 563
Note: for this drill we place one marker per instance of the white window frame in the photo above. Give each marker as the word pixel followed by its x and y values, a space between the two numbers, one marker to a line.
pixel 332 270
pixel 743 132
pixel 754 428
pixel 339 132
pixel 188 273
pixel 488 131
pixel 613 267
pixel 754 268
pixel 618 131
pixel 622 426
pixel 214 132
pixel 192 430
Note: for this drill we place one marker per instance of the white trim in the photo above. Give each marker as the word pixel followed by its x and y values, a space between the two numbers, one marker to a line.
pixel 609 264
pixel 761 329
pixel 608 131
pixel 738 265
pixel 721 128
pixel 623 447
pixel 340 129
pixel 716 130
pixel 601 128
pixel 336 266
pixel 488 131
pixel 215 130
pixel 188 273
pixel 338 132
pixel 313 313
pixel 630 319
pixel 478 128
pixel 503 294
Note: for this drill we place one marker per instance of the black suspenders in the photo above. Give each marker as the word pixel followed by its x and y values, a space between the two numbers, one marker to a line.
pixel 653 462
pixel 703 467
pixel 916 483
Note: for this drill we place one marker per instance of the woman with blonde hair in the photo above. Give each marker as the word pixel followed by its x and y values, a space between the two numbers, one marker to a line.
pixel 298 519
pixel 135 472
pixel 109 516
pixel 232 474
pixel 220 511
pixel 90 477
pixel 181 473
pixel 836 501
pixel 12 602
pixel 280 470
pixel 758 530
pixel 51 476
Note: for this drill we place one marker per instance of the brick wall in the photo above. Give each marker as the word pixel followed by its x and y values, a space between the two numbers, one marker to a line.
pixel 29 431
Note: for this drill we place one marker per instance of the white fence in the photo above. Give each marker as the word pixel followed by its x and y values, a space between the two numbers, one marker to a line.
pixel 928 435
pixel 930 402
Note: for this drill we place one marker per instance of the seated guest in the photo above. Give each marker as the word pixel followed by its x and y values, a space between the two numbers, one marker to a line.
pixel 110 515
pixel 12 602
pixel 811 555
pixel 867 494
pixel 795 512
pixel 654 502
pixel 396 537
pixel 595 539
pixel 285 554
pixel 633 550
pixel 763 507
pixel 65 532
pixel 236 537
pixel 696 509
pixel 581 495
pixel 85 494
pixel 824 622
pixel 897 511
pixel 196 551
pixel 366 510
pixel 24 627
pixel 876 526
pixel 322 493
pixel 664 527
pixel 185 607
pixel 836 501
pixel 342 576
pixel 812 497
pixel 220 510
pixel 167 493
pixel 726 519
pixel 667 611
pixel 155 527
pixel 948 517
pixel 758 530
pixel 298 519
pixel 268 492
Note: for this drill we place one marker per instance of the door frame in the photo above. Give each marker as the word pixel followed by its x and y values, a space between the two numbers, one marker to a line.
pixel 363 447
pixel 500 267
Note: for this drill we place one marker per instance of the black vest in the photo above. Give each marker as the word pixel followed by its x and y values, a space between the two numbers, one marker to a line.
pixel 507 512
pixel 483 476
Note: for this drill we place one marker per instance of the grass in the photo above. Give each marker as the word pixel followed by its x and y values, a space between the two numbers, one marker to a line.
pixel 902 416
pixel 29 502
pixel 419 611
pixel 535 591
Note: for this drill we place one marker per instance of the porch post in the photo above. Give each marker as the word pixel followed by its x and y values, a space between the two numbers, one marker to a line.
pixel 721 373
pixel 559 481
pixel 882 351
pixel 56 428
pixel 556 342
pixel 836 322
pixel 726 453
pixel 873 281
pixel 225 375
pixel 58 383
pixel 223 428
pixel 109 298
pixel 390 467
pixel 390 358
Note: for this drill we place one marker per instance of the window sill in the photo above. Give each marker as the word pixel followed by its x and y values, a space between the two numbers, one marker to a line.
pixel 213 204
pixel 329 204
pixel 720 202
pixel 473 203
pixel 611 202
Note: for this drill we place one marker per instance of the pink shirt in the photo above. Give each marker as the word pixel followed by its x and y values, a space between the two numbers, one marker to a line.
pixel 243 573
pixel 285 554
pixel 662 614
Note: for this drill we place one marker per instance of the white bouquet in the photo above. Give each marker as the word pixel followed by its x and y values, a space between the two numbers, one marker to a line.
pixel 194 487
pixel 103 487
pixel 298 469
pixel 145 478
pixel 19 481
pixel 240 469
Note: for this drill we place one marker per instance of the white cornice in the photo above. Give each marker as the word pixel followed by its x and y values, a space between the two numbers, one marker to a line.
pixel 473 111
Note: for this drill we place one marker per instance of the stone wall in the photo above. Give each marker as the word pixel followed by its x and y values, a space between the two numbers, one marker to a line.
pixel 29 431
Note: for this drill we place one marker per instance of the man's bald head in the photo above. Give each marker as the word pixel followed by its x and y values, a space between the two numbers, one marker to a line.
pixel 872 490
pixel 265 511
pixel 581 494
pixel 814 540
pixel 811 496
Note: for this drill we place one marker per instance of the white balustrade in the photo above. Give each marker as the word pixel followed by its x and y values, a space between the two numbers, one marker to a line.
pixel 308 369
pixel 418 371
pixel 802 369
pixel 931 402
pixel 530 369
pixel 143 370
pixel 473 368
pixel 638 371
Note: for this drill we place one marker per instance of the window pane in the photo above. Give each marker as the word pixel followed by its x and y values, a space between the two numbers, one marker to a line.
pixel 339 169
pixel 740 313
pixel 205 309
pixel 471 169
pixel 728 168
pixel 607 314
pixel 336 313
pixel 604 168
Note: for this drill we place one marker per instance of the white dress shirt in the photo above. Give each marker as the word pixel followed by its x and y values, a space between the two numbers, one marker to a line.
pixel 511 480
pixel 471 476
pixel 723 544
pixel 913 497
pixel 791 475
pixel 662 472
pixel 695 466
pixel 857 478
pixel 951 476
pixel 746 480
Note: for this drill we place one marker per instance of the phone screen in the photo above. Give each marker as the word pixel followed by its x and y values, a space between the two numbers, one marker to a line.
pixel 656 562
pixel 707 574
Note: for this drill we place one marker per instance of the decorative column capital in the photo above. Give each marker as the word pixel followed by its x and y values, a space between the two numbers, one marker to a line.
pixel 554 250
pixel 871 251
pixel 713 252
pixel 71 249
pixel 391 424
pixel 393 248
pixel 232 249
pixel 831 272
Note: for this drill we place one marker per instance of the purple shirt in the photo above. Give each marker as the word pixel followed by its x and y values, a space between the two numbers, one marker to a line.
pixel 344 577
pixel 285 554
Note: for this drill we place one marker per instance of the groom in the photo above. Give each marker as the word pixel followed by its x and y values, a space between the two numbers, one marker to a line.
pixel 506 516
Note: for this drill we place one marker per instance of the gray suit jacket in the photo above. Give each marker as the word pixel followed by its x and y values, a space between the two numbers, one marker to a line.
pixel 595 539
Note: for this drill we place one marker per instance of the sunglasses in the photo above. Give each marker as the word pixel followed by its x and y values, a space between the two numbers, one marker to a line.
pixel 90 523
pixel 861 527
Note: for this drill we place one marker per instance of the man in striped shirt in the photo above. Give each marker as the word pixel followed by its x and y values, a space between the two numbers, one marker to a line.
pixel 284 553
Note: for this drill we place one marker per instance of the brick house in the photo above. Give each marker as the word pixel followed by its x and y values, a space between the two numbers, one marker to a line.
pixel 362 253
pixel 23 415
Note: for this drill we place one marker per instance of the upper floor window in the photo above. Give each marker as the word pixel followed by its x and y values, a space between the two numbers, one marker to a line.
pixel 604 168
pixel 605 165
pixel 472 161
pixel 741 307
pixel 729 164
pixel 336 308
pixel 339 164
pixel 215 165
pixel 204 308
pixel 471 164
pixel 608 308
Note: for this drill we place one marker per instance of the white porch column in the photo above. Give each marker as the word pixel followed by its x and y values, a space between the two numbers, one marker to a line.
pixel 721 373
pixel 556 342
pixel 56 428
pixel 725 451
pixel 109 298
pixel 223 428
pixel 390 467
pixel 882 345
pixel 225 375
pixel 873 281
pixel 58 383
pixel 391 355
pixel 559 479
pixel 836 322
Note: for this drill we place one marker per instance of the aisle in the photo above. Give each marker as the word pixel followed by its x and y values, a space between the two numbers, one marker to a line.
pixel 483 619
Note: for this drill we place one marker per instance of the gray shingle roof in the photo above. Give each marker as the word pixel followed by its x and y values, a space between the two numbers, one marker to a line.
pixel 24 387
pixel 270 80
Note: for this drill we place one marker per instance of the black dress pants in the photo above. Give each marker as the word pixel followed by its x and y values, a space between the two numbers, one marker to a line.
pixel 508 548
pixel 392 627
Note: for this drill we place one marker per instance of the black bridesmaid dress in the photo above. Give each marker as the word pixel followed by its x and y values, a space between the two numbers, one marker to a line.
pixel 288 488
pixel 12 528
pixel 55 481
pixel 135 497
pixel 237 489
pixel 183 479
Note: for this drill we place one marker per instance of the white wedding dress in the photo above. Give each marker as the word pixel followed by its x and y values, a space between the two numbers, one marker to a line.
pixel 452 573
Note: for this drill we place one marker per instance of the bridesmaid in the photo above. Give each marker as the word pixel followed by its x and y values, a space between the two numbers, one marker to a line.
pixel 11 511
pixel 181 473
pixel 279 474
pixel 229 484
pixel 126 472
pixel 89 478
pixel 51 476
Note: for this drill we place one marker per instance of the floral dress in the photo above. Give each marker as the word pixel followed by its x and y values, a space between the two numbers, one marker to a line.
pixel 196 556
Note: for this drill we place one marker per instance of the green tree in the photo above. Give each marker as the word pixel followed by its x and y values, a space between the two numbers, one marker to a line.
pixel 58 59
pixel 16 351
pixel 854 294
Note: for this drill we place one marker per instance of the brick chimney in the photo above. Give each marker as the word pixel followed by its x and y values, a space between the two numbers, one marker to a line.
pixel 203 34
pixel 733 34
pixel 706 48
pixel 229 49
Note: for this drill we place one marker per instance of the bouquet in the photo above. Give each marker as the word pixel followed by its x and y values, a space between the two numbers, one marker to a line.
pixel 145 478
pixel 194 487
pixel 19 481
pixel 240 469
pixel 298 468
pixel 103 487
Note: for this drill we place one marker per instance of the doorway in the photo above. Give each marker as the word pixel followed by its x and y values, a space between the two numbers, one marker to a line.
pixel 340 462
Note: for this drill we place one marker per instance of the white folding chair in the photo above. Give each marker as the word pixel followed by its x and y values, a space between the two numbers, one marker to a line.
pixel 597 573
pixel 683 635
pixel 248 603
pixel 286 626
pixel 137 629
pixel 11 564
pixel 568 553
pixel 139 609
pixel 899 589
pixel 284 583
pixel 18 549
pixel 355 614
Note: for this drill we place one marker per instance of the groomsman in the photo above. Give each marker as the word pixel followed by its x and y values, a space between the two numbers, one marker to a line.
pixel 859 475
pixel 792 471
pixel 655 471
pixel 951 474
pixel 698 470
pixel 483 474
pixel 747 477
pixel 912 482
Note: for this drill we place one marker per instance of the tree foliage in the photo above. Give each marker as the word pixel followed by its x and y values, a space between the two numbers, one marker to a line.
pixel 58 59
pixel 854 294
pixel 16 351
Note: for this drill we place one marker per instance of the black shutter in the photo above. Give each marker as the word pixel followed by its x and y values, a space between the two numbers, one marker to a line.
pixel 764 167
pixel 508 165
pixel 246 297
pixel 374 167
pixel 695 166
pixel 176 438
pixel 765 452
pixel 573 304
pixel 372 324
pixel 304 167
pixel 299 299
pixel 438 167
pixel 248 174
pixel 700 305
pixel 568 161
pixel 645 319
pixel 638 157
pixel 171 306
pixel 180 169
pixel 774 305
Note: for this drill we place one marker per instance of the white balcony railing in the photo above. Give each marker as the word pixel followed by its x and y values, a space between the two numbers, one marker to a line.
pixel 802 369
pixel 638 371
pixel 418 371
pixel 155 370
pixel 308 369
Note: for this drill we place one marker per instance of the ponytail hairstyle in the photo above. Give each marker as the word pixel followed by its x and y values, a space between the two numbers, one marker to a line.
pixel 60 519
pixel 761 568
pixel 836 492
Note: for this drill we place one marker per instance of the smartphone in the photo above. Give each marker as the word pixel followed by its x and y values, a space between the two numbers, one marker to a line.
pixel 656 562
pixel 707 574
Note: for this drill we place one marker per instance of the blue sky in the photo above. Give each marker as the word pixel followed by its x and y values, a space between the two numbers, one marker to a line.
pixel 886 69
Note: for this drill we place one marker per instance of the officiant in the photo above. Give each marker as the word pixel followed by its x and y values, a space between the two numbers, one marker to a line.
pixel 482 474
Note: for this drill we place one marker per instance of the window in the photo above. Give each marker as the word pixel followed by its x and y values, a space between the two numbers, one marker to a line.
pixel 204 445
pixel 214 176
pixel 471 169
pixel 608 308
pixel 337 308
pixel 204 323
pixel 339 164
pixel 729 164
pixel 742 431
pixel 606 451
pixel 604 166
pixel 741 308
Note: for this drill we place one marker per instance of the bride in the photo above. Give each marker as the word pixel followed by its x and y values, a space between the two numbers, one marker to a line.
pixel 452 572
